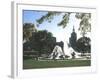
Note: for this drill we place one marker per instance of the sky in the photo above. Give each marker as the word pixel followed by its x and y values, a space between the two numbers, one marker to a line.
pixel 61 34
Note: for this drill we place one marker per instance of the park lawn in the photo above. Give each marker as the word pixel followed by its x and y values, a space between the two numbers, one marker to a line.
pixel 33 64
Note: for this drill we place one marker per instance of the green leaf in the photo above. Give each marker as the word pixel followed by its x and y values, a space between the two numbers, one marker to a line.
pixel 65 20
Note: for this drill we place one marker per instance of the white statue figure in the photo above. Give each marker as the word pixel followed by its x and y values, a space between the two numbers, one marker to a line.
pixel 57 52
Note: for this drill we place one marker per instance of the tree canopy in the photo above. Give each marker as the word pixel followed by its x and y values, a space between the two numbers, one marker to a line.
pixel 28 28
pixel 41 41
pixel 85 20
pixel 84 45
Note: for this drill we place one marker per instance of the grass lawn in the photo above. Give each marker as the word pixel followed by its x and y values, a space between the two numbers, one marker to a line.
pixel 33 64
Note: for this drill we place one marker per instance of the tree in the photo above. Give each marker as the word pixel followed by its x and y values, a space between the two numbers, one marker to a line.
pixel 42 41
pixel 85 18
pixel 28 28
pixel 84 45
pixel 85 25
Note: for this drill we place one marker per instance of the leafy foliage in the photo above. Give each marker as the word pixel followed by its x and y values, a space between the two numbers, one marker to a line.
pixel 85 25
pixel 84 45
pixel 85 18
pixel 28 28
pixel 41 41
pixel 48 17
pixel 65 20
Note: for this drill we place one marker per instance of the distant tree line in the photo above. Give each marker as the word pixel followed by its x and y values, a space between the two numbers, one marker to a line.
pixel 41 41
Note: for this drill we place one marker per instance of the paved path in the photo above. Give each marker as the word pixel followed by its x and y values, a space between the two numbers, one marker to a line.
pixel 64 59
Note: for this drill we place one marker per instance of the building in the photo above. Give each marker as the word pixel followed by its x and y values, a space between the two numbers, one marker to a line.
pixel 73 39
